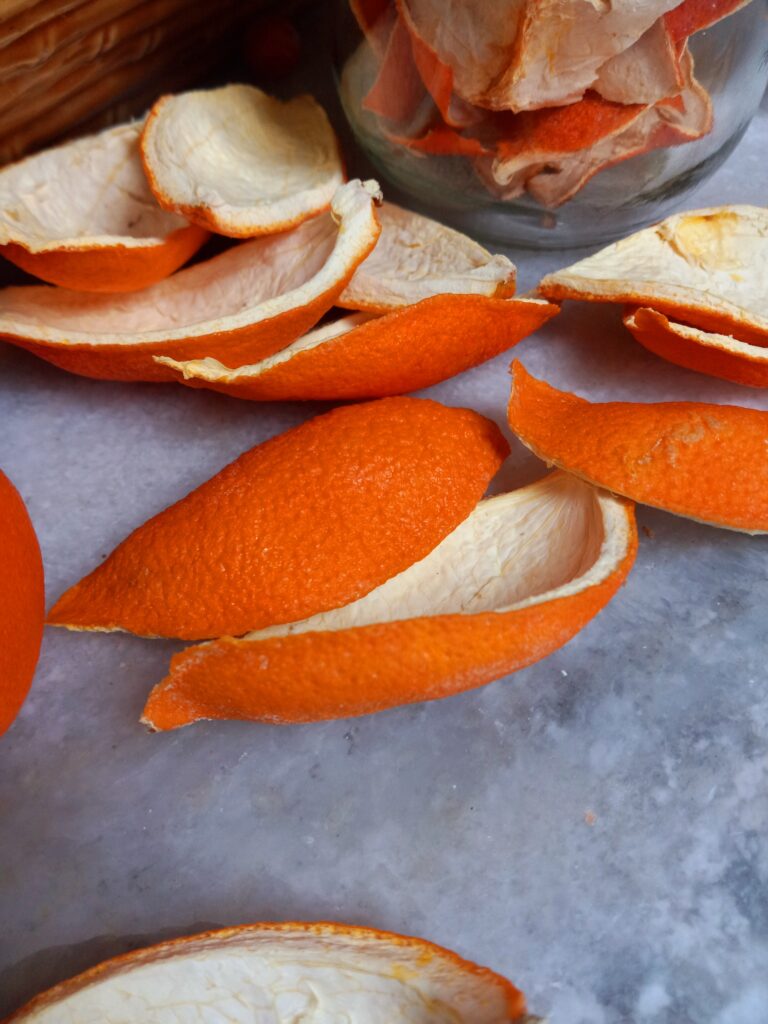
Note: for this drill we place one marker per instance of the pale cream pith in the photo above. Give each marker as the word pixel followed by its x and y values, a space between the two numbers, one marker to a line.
pixel 416 257
pixel 250 162
pixel 249 283
pixel 709 339
pixel 83 194
pixel 282 976
pixel 709 260
pixel 645 72
pixel 552 539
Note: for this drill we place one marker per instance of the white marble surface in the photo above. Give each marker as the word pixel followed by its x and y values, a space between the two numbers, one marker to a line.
pixel 594 828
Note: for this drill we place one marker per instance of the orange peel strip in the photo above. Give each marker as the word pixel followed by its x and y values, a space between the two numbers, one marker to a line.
pixel 718 355
pixel 81 215
pixel 417 257
pixel 239 307
pixel 515 581
pixel 704 267
pixel 362 973
pixel 309 520
pixel 441 140
pixel 704 462
pixel 692 16
pixel 363 357
pixel 240 162
pixel 22 603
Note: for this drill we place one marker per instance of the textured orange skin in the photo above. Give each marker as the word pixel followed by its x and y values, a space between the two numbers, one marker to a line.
pixel 424 951
pixel 652 330
pixel 110 268
pixel 312 677
pixel 694 15
pixel 22 602
pixel 706 462
pixel 310 520
pixel 413 347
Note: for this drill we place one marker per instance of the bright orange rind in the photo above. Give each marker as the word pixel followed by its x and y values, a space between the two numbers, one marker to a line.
pixel 240 306
pixel 360 356
pixel 705 462
pixel 308 521
pixel 354 973
pixel 81 215
pixel 513 582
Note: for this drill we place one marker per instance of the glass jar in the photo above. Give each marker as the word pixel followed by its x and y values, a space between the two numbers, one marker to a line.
pixel 565 138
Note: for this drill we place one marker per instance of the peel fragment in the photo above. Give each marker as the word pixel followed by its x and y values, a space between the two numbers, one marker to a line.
pixel 417 257
pixel 704 267
pixel 239 162
pixel 288 971
pixel 646 72
pixel 704 462
pixel 239 307
pixel 360 356
pixel 81 215
pixel 513 582
pixel 718 355
pixel 311 519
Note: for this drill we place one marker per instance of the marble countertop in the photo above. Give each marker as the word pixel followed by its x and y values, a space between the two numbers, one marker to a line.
pixel 593 827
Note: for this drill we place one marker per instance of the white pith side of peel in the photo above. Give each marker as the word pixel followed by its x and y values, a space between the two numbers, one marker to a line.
pixel 280 976
pixel 91 193
pixel 645 72
pixel 251 162
pixel 250 283
pixel 416 257
pixel 710 260
pixel 707 339
pixel 552 539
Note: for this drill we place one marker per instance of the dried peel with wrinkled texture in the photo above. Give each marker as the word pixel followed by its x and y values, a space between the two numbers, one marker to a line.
pixel 307 521
pixel 240 306
pixel 705 267
pixel 705 462
pixel 313 972
pixel 360 356
pixel 416 257
pixel 239 162
pixel 512 583
pixel 81 215
pixel 646 72
pixel 22 602
pixel 718 355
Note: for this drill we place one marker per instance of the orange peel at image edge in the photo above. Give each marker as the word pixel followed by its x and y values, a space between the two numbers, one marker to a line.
pixel 307 521
pixel 517 579
pixel 240 306
pixel 363 973
pixel 360 356
pixel 51 226
pixel 705 462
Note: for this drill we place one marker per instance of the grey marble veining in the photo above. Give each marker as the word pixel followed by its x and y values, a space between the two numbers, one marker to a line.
pixel 593 827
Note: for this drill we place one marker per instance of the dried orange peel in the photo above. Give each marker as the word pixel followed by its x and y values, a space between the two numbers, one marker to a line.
pixel 81 215
pixel 360 356
pixel 513 582
pixel 705 268
pixel 239 307
pixel 22 603
pixel 308 521
pixel 705 462
pixel 353 973
pixel 240 162
pixel 718 355
pixel 416 257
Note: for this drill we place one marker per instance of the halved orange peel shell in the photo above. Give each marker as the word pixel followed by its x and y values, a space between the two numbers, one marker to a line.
pixel 361 356
pixel 240 162
pixel 513 582
pixel 706 462
pixel 353 973
pixel 81 215
pixel 310 520
pixel 705 268
pixel 240 306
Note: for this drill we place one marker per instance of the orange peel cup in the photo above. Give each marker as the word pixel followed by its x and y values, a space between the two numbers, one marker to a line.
pixel 51 227
pixel 364 973
pixel 22 603
pixel 705 462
